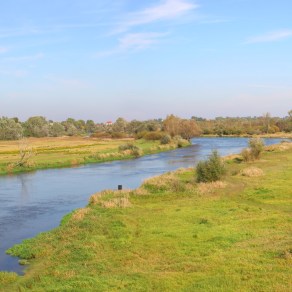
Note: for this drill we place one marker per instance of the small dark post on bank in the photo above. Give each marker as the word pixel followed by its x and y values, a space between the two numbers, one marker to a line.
pixel 120 187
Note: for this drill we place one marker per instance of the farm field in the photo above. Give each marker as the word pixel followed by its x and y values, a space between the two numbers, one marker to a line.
pixel 70 151
pixel 173 234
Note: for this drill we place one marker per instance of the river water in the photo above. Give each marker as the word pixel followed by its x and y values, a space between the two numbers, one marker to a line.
pixel 34 202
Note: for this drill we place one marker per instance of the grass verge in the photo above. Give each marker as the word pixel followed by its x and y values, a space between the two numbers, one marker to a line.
pixel 172 234
pixel 72 151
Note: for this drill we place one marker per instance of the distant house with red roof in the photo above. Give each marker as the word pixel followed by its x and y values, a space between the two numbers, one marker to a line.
pixel 108 123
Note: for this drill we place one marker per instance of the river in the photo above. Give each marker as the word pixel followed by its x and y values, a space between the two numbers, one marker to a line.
pixel 34 202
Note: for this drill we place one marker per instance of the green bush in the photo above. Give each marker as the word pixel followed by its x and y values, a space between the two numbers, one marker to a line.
pixel 211 169
pixel 166 139
pixel 256 147
pixel 135 150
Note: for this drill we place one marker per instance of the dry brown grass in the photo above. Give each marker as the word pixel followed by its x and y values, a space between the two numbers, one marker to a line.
pixel 165 182
pixel 279 147
pixel 210 188
pixel 80 213
pixel 111 199
pixel 252 172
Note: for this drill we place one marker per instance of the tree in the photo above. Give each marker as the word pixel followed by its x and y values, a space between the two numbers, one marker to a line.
pixel 182 127
pixel 57 129
pixel 171 125
pixel 188 129
pixel 26 153
pixel 10 129
pixel 36 127
pixel 120 125
pixel 90 126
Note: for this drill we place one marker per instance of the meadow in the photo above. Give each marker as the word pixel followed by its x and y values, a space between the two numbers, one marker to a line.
pixel 173 234
pixel 70 151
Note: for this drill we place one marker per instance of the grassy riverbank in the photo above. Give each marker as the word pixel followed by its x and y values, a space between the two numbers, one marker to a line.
pixel 172 234
pixel 71 151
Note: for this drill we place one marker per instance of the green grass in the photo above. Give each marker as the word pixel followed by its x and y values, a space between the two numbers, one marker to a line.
pixel 176 236
pixel 71 151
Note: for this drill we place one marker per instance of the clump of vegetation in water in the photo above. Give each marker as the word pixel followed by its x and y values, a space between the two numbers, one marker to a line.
pixel 212 169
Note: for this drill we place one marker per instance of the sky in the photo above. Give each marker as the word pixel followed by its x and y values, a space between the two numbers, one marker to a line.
pixel 100 59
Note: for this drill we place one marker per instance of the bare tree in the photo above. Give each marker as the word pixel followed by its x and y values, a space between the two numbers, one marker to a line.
pixel 26 153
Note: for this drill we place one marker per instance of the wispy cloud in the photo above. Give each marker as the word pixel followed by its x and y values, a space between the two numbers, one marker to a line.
pixel 270 37
pixel 14 73
pixel 132 42
pixel 166 10
pixel 24 58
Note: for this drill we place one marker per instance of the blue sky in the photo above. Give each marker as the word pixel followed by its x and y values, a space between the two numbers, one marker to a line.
pixel 100 59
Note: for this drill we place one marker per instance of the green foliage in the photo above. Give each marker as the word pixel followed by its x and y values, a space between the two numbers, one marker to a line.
pixel 57 129
pixel 256 147
pixel 134 150
pixel 174 239
pixel 10 129
pixel 212 169
pixel 166 139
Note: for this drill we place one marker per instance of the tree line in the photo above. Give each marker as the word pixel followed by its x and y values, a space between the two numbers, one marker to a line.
pixel 155 129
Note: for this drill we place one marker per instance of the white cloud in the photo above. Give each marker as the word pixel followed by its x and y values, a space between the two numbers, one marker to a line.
pixel 270 37
pixel 132 42
pixel 137 41
pixel 167 10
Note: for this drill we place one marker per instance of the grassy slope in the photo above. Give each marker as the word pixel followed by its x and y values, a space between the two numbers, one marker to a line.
pixel 173 238
pixel 70 151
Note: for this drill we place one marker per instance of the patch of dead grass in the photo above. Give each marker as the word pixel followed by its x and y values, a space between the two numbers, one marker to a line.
pixel 211 187
pixel 111 199
pixel 252 172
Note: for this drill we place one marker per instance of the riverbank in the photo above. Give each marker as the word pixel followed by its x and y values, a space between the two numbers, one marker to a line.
pixel 282 135
pixel 173 234
pixel 72 151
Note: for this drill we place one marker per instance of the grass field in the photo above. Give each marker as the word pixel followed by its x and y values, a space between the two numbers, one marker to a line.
pixel 70 151
pixel 172 234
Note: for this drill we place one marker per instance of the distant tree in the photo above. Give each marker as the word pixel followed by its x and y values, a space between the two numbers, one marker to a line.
pixel 10 129
pixel 57 129
pixel 36 127
pixel 120 125
pixel 71 130
pixel 171 125
pixel 90 126
pixel 267 122
pixel 188 129
pixel 182 127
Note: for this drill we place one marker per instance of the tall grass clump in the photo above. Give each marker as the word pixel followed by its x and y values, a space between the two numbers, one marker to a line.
pixel 256 147
pixel 134 150
pixel 212 169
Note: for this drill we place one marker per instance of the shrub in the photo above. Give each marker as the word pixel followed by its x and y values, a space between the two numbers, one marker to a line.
pixel 166 139
pixel 127 146
pixel 246 155
pixel 134 150
pixel 256 147
pixel 118 135
pixel 153 135
pixel 212 169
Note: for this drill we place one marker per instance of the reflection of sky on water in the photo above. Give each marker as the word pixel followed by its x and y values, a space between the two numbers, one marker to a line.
pixel 35 202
